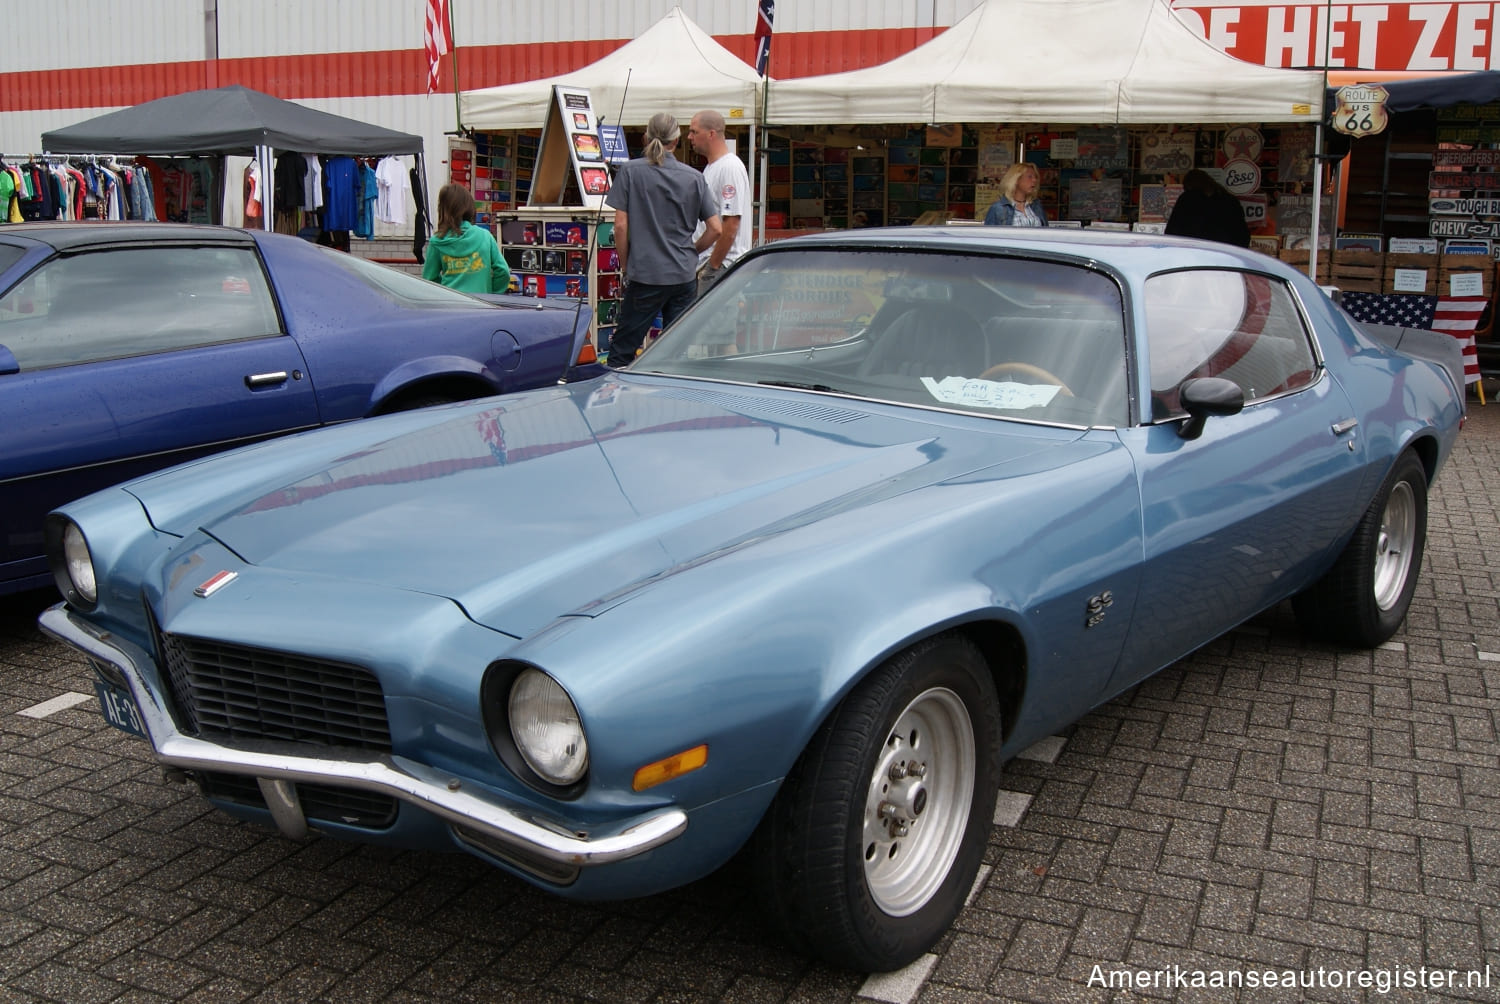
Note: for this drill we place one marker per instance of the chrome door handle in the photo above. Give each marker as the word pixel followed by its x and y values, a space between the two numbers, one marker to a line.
pixel 255 380
pixel 1347 425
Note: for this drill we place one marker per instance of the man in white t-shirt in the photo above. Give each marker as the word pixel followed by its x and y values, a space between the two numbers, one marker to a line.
pixel 729 184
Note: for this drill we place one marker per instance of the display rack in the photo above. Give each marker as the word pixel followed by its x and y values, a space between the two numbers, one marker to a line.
pixel 565 252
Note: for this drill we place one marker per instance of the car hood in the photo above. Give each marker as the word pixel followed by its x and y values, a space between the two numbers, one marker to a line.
pixel 563 501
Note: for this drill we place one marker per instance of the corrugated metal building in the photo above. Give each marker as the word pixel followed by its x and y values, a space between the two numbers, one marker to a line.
pixel 70 60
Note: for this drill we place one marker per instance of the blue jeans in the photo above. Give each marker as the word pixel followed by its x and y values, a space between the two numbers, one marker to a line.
pixel 639 305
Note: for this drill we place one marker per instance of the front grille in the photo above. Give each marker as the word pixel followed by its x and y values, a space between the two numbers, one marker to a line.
pixel 234 692
pixel 349 806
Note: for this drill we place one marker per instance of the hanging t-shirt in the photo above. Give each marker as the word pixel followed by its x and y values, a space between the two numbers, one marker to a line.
pixel 342 193
pixel 390 204
pixel 369 191
pixel 312 183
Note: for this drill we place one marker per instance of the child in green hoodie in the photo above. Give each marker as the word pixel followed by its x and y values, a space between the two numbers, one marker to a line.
pixel 460 255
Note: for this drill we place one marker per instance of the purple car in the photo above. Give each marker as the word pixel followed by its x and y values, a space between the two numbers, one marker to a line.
pixel 125 348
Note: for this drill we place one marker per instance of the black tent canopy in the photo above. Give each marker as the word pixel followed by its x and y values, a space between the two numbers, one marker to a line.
pixel 226 121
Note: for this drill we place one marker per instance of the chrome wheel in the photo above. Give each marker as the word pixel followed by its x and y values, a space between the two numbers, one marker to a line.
pixel 1393 546
pixel 917 805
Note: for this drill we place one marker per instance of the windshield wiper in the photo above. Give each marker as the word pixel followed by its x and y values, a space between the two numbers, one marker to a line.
pixel 798 386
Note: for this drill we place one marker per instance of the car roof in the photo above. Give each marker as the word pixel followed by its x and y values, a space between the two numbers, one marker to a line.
pixel 1124 250
pixel 67 236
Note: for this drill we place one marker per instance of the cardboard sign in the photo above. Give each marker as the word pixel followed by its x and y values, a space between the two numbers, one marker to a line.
pixel 1410 280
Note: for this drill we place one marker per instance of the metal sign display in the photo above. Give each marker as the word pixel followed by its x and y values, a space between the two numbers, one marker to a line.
pixel 1466 158
pixel 1464 207
pixel 1361 110
pixel 1459 179
pixel 1471 229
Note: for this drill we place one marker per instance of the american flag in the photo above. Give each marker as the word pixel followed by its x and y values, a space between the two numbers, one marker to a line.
pixel 437 41
pixel 763 35
pixel 1457 315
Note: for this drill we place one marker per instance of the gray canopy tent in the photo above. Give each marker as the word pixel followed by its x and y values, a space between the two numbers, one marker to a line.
pixel 232 121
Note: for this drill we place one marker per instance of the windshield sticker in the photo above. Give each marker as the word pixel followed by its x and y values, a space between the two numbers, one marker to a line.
pixel 989 393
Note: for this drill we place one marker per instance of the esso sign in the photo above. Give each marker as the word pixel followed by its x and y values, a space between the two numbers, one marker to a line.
pixel 1241 176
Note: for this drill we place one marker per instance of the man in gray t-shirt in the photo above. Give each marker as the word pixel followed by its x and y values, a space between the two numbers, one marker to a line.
pixel 658 203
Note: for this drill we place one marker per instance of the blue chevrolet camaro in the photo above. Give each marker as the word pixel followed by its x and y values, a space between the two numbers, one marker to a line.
pixel 881 511
pixel 126 348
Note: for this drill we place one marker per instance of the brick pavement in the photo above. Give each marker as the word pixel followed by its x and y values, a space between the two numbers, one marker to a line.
pixel 1265 804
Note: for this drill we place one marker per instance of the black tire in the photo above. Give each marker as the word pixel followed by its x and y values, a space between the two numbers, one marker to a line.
pixel 810 851
pixel 1363 598
pixel 415 402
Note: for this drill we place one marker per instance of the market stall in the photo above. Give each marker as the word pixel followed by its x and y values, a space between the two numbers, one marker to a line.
pixel 1143 99
pixel 233 121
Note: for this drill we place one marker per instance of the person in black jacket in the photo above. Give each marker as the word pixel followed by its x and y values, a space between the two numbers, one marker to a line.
pixel 1206 210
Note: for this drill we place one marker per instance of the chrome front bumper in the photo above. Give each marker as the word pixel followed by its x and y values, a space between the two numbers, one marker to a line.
pixel 521 831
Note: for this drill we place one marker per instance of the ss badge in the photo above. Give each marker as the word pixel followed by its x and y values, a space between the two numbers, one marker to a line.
pixel 1097 606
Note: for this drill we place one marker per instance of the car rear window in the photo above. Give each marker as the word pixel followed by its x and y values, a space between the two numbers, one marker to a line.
pixel 399 286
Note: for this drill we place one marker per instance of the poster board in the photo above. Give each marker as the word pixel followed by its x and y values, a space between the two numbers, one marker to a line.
pixel 570 165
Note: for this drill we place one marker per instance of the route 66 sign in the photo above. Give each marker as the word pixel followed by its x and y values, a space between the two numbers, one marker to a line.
pixel 1361 110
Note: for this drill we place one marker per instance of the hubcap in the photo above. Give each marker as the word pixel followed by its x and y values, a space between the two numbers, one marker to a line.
pixel 1393 546
pixel 918 802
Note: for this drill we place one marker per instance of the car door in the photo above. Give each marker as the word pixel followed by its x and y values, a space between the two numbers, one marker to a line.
pixel 1234 516
pixel 128 359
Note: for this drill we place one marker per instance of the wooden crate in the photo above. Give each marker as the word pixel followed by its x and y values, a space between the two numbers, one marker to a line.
pixel 1297 258
pixel 1424 263
pixel 1359 271
pixel 1461 264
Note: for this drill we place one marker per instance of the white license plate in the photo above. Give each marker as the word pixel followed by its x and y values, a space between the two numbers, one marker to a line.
pixel 119 709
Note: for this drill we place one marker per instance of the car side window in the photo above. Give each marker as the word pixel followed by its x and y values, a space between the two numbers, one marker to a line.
pixel 1241 326
pixel 119 302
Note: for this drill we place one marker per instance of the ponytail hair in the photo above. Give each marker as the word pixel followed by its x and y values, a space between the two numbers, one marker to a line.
pixel 660 131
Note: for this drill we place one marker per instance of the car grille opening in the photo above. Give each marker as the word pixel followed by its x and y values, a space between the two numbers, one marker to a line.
pixel 229 692
pixel 320 803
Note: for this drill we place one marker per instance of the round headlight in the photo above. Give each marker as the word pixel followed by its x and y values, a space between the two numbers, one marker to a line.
pixel 79 563
pixel 546 728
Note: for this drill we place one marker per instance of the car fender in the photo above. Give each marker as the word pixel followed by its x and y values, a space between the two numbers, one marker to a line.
pixel 429 368
pixel 771 635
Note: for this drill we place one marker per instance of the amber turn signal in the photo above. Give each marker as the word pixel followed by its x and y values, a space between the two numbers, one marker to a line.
pixel 587 354
pixel 665 770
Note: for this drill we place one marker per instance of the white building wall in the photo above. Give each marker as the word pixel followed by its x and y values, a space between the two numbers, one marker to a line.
pixel 63 34
pixel 56 34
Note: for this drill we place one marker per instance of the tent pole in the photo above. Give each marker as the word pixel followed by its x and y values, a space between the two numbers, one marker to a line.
pixel 750 160
pixel 1317 206
pixel 263 155
pixel 458 107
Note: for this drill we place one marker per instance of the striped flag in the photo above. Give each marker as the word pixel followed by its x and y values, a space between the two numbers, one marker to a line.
pixel 437 41
pixel 763 35
pixel 1459 316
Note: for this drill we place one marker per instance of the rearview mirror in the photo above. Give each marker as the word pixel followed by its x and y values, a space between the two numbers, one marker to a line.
pixel 1205 396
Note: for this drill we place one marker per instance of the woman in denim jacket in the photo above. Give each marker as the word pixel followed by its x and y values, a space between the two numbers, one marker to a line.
pixel 1018 205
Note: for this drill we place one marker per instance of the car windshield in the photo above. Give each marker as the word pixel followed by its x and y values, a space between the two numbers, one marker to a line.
pixel 994 335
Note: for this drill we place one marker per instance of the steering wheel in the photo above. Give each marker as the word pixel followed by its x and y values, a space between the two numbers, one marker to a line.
pixel 1027 370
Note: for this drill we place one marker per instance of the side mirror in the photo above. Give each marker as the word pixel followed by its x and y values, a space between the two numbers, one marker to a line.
pixel 8 363
pixel 1205 396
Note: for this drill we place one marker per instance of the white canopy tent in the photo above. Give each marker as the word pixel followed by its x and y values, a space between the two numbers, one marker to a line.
pixel 1127 62
pixel 674 66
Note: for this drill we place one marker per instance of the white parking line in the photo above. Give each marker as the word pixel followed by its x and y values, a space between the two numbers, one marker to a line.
pixel 60 703
pixel 984 873
pixel 1044 751
pixel 1489 656
pixel 1010 807
pixel 900 987
pixel 1393 646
